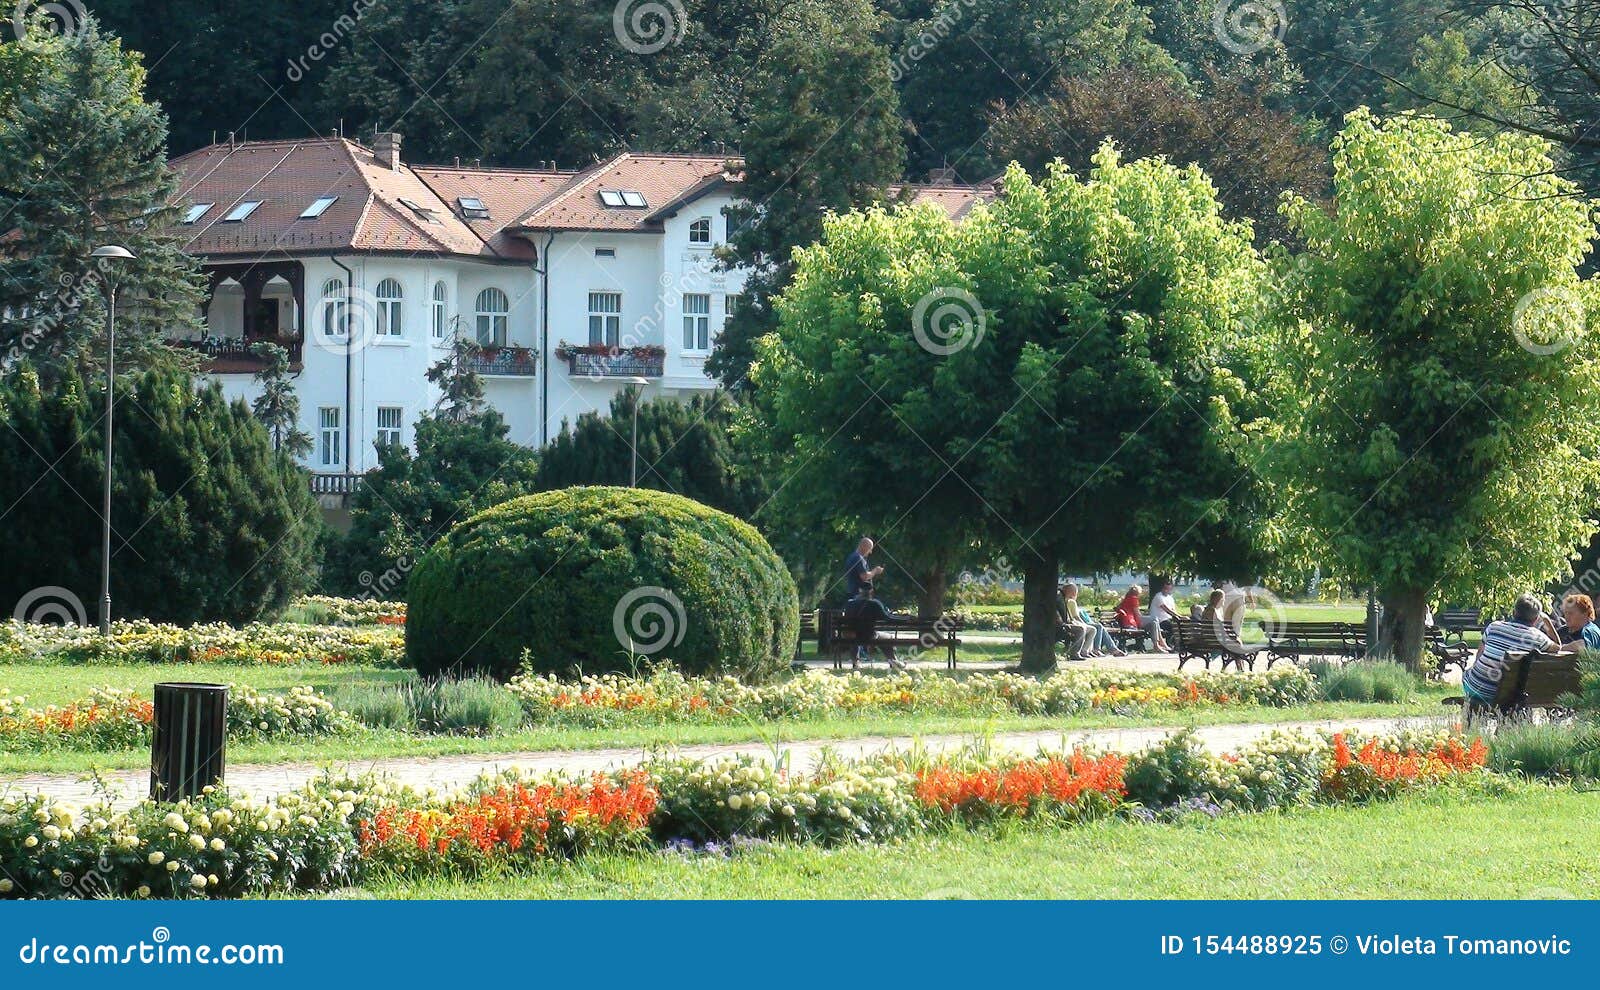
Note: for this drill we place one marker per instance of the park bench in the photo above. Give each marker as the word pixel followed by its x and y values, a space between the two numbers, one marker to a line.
pixel 838 636
pixel 1293 640
pixel 1531 681
pixel 808 634
pixel 1455 623
pixel 1446 654
pixel 1196 639
pixel 1132 640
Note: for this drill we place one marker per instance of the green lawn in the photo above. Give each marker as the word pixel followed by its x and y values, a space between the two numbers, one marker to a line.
pixel 55 684
pixel 1426 846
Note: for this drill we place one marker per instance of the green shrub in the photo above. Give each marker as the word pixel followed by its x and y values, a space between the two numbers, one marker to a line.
pixel 1168 772
pixel 1565 750
pixel 380 706
pixel 589 578
pixel 474 706
pixel 1364 681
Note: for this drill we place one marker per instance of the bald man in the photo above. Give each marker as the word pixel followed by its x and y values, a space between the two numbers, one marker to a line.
pixel 857 571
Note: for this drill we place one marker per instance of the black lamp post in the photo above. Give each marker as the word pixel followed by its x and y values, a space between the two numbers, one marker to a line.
pixel 119 253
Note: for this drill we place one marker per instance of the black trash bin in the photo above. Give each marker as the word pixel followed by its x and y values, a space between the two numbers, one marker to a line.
pixel 188 750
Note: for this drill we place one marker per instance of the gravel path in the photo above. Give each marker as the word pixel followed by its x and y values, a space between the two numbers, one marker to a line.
pixel 446 772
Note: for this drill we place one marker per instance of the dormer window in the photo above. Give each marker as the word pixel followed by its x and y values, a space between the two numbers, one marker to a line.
pixel 238 213
pixel 318 208
pixel 619 198
pixel 197 211
pixel 700 231
pixel 472 208
pixel 422 212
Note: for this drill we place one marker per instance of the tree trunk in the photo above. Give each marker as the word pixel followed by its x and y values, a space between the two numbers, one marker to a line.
pixel 1400 631
pixel 930 602
pixel 1040 575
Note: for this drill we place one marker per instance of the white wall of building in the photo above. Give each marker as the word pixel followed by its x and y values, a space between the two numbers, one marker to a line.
pixel 652 273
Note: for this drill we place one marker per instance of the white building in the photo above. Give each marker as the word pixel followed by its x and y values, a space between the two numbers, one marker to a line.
pixel 576 283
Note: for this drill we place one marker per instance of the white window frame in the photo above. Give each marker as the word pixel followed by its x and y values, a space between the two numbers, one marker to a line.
pixel 242 211
pixel 197 211
pixel 605 318
pixel 318 207
pixel 493 326
pixel 701 226
pixel 388 298
pixel 335 309
pixel 696 321
pixel 392 433
pixel 330 437
pixel 441 296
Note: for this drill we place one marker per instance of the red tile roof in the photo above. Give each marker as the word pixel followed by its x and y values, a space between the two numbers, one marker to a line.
pixel 372 213
pixel 661 178
pixel 288 176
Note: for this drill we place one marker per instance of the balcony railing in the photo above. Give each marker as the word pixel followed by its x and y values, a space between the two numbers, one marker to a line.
pixel 335 484
pixel 226 355
pixel 587 365
pixel 517 361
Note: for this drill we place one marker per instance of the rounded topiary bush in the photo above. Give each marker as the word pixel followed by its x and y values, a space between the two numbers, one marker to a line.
pixel 591 578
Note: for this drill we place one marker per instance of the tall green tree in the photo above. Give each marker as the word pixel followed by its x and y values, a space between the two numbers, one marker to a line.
pixel 1065 377
pixel 684 447
pixel 277 407
pixel 83 164
pixel 461 394
pixel 1439 330
pixel 410 500
pixel 824 134
pixel 208 521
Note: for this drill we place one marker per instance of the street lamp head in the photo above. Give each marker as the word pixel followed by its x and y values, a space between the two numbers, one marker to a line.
pixel 116 251
pixel 636 380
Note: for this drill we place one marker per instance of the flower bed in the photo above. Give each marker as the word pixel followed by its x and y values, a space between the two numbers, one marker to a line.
pixel 350 611
pixel 148 642
pixel 667 696
pixel 112 719
pixel 341 831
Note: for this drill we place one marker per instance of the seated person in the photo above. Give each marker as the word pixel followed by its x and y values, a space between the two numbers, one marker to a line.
pixel 1068 629
pixel 1128 611
pixel 864 612
pixel 1518 634
pixel 1578 611
pixel 1096 641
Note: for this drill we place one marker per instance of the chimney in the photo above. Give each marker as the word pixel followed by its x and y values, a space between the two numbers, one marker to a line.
pixel 386 147
pixel 942 176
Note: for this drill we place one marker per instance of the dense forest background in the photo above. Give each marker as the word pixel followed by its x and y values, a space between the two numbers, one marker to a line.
pixel 974 82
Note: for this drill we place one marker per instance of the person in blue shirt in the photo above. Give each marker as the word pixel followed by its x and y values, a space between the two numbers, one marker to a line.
pixel 857 571
pixel 1578 610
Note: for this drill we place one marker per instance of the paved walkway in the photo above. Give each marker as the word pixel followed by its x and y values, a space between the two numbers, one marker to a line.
pixel 446 772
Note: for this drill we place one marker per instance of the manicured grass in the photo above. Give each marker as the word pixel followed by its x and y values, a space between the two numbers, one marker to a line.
pixel 1425 846
pixel 54 684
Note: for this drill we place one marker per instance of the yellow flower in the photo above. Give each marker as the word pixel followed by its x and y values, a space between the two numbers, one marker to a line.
pixel 156 857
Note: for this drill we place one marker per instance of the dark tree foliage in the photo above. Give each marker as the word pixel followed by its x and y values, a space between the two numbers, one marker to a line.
pixel 82 164
pixel 208 521
pixel 411 500
pixel 684 447
pixel 1252 153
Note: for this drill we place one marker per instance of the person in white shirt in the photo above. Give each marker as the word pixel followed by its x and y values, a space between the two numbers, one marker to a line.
pixel 1163 610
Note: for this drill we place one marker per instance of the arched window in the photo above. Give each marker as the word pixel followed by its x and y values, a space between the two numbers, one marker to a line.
pixel 335 314
pixel 492 309
pixel 439 296
pixel 388 299
pixel 700 231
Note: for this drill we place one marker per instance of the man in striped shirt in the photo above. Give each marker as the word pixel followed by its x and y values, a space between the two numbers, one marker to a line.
pixel 1519 634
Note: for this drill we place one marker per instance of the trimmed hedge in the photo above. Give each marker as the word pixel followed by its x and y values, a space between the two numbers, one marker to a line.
pixel 560 574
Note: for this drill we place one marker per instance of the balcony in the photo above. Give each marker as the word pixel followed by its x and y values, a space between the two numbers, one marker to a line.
pixel 598 361
pixel 335 484
pixel 235 355
pixel 508 362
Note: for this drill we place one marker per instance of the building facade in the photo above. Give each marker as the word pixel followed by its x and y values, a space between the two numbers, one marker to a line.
pixel 576 284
